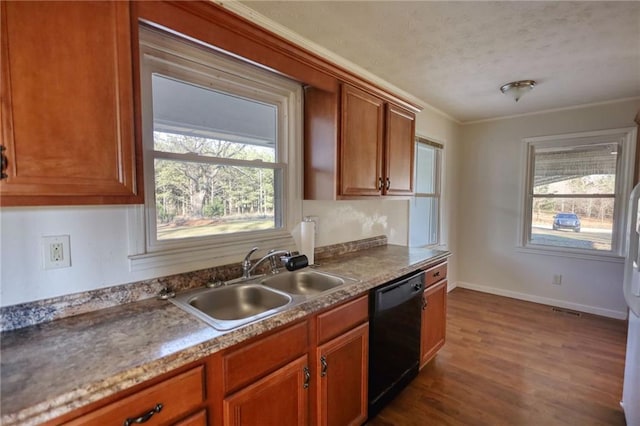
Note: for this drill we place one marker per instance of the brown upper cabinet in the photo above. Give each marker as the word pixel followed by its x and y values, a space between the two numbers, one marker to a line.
pixel 371 154
pixel 67 104
pixel 70 103
pixel 361 143
pixel 399 151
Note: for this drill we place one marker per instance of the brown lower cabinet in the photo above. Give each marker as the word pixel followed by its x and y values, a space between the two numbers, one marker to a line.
pixel 159 404
pixel 434 313
pixel 314 371
pixel 342 358
pixel 343 378
pixel 281 398
pixel 311 372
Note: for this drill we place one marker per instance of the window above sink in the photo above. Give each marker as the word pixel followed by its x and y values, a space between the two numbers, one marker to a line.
pixel 221 159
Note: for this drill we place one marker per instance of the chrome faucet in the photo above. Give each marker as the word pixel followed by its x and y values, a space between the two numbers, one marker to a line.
pixel 248 267
pixel 246 263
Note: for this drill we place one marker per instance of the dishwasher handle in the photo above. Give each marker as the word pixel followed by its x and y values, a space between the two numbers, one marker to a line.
pixel 396 293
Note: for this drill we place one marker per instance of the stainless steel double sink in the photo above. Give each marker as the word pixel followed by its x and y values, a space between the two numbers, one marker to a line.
pixel 233 305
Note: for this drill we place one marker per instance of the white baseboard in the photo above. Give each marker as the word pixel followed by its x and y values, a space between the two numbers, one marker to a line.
pixel 543 300
pixel 451 285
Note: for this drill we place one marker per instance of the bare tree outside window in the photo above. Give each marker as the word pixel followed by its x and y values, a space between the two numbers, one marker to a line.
pixel 196 199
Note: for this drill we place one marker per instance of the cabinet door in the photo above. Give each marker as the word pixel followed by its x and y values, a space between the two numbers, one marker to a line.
pixel 361 141
pixel 280 398
pixel 434 321
pixel 67 103
pixel 399 151
pixel 342 367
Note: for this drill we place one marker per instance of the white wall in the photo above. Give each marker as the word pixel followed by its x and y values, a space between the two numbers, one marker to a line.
pixel 99 243
pixel 490 171
pixel 99 247
pixel 342 221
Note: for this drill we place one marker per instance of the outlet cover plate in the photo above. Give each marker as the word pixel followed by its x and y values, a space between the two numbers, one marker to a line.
pixel 56 252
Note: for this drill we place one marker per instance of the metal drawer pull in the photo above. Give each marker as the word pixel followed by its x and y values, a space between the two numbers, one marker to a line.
pixel 380 184
pixel 323 361
pixel 3 163
pixel 437 274
pixel 145 417
pixel 307 377
pixel 388 184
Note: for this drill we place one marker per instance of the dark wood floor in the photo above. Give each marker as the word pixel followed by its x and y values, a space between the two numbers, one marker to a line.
pixel 509 362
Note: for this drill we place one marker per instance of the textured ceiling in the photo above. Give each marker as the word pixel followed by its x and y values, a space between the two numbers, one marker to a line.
pixel 456 55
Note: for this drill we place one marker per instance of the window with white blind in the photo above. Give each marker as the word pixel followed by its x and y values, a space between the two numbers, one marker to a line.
pixel 424 212
pixel 575 192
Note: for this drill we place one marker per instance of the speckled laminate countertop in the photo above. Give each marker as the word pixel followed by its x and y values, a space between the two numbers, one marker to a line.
pixel 50 369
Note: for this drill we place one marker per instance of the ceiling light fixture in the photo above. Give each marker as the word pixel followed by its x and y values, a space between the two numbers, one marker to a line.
pixel 517 89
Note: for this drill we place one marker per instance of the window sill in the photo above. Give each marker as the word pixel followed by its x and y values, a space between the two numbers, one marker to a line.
pixel 191 259
pixel 557 252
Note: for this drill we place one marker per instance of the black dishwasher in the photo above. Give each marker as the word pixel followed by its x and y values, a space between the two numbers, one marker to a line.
pixel 394 337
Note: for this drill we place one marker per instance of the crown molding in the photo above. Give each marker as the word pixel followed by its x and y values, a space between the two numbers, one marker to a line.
pixel 546 111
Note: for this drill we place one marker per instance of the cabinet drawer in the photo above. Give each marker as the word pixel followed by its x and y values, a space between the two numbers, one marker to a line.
pixel 178 395
pixel 197 419
pixel 435 274
pixel 343 318
pixel 257 359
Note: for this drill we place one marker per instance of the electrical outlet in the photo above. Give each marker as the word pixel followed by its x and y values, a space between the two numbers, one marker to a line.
pixel 56 252
pixel 557 279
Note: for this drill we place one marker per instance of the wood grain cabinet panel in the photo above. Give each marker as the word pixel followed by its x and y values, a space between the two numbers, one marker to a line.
pixel 281 398
pixel 343 318
pixel 434 274
pixel 361 142
pixel 434 321
pixel 399 151
pixel 250 362
pixel 197 419
pixel 172 403
pixel 265 381
pixel 342 370
pixel 67 103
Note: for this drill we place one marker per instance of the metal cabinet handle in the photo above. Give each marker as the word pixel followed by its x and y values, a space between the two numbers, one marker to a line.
pixel 145 417
pixel 3 162
pixel 307 377
pixel 437 274
pixel 388 184
pixel 380 184
pixel 424 303
pixel 323 362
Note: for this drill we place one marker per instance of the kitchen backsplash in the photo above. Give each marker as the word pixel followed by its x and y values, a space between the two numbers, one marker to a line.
pixel 40 311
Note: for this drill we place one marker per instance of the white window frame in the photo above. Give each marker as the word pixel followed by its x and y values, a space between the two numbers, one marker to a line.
pixel 625 139
pixel 437 194
pixel 184 60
